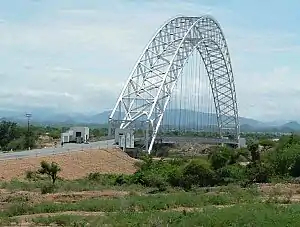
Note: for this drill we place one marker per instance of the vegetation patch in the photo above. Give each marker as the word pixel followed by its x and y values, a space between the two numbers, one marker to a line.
pixel 256 186
pixel 260 215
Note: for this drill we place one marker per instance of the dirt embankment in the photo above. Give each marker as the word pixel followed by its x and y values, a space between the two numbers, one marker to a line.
pixel 74 165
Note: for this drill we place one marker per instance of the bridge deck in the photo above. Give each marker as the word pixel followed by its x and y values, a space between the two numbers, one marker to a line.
pixel 183 139
pixel 204 140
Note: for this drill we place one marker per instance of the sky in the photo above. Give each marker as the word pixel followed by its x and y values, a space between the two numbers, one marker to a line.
pixel 76 55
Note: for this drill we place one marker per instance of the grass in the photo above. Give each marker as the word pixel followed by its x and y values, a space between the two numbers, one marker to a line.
pixel 245 207
pixel 136 203
pixel 77 185
pixel 239 215
pixel 258 215
pixel 65 220
pixel 6 221
pixel 146 206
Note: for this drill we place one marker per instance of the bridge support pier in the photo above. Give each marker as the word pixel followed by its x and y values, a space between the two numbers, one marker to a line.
pixel 147 139
pixel 109 128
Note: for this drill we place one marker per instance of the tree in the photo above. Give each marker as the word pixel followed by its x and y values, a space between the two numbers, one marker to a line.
pixel 288 141
pixel 98 132
pixel 222 156
pixel 285 161
pixel 30 139
pixel 254 150
pixel 198 172
pixel 218 159
pixel 55 134
pixel 50 169
pixel 16 144
pixel 267 144
pixel 8 132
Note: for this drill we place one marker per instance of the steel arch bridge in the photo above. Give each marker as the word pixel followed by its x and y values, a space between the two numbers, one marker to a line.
pixel 149 87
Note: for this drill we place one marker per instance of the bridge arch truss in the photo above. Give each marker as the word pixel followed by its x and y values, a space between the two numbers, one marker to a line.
pixel 149 87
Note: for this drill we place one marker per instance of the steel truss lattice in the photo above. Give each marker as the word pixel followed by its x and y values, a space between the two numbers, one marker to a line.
pixel 148 89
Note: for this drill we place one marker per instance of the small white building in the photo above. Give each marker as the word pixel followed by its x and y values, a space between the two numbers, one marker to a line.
pixel 76 135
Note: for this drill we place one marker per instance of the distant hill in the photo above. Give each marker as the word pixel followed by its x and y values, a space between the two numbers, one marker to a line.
pixel 294 125
pixel 50 117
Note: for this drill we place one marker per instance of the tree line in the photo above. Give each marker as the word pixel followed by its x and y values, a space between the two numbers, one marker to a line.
pixel 14 136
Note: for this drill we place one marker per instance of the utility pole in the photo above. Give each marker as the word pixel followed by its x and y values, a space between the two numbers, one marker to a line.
pixel 28 115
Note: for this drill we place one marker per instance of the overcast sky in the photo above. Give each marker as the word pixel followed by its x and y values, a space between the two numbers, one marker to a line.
pixel 75 55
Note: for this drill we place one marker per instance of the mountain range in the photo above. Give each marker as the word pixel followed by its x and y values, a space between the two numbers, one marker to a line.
pixel 49 117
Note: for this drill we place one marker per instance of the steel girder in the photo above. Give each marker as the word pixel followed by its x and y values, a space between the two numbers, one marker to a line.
pixel 150 85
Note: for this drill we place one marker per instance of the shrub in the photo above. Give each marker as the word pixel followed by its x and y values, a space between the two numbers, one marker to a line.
pixel 231 174
pixel 152 173
pixel 106 179
pixel 50 169
pixel 94 176
pixel 198 172
pixel 176 178
pixel 17 144
pixel 47 188
pixel 267 143
pixel 222 156
pixel 254 150
pixel 122 179
pixel 283 160
pixel 31 175
pixel 218 160
pixel 295 167
pixel 162 152
pixel 258 173
pixel 288 141
pixel 243 154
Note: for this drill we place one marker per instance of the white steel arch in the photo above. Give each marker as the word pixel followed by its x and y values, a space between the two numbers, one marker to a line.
pixel 149 87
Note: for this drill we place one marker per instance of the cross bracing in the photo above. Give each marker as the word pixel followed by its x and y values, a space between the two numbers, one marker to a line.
pixel 151 83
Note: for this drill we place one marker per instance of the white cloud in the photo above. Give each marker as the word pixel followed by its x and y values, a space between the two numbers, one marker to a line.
pixel 269 95
pixel 80 58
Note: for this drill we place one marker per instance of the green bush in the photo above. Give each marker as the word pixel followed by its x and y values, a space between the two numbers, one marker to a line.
pixel 258 173
pixel 176 178
pixel 283 160
pixel 153 173
pixel 162 152
pixel 267 143
pixel 288 141
pixel 17 144
pixel 32 175
pixel 218 159
pixel 107 179
pixel 122 179
pixel 254 151
pixel 295 167
pixel 50 169
pixel 223 156
pixel 231 174
pixel 198 172
pixel 221 168
pixel 48 188
pixel 177 173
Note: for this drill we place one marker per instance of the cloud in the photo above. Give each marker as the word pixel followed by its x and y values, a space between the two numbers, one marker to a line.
pixel 270 94
pixel 78 58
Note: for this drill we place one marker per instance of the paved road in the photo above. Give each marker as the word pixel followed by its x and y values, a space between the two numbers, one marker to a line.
pixel 59 150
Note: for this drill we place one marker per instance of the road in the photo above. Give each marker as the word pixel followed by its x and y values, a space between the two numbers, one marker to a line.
pixel 77 147
pixel 59 150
